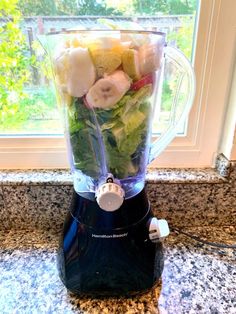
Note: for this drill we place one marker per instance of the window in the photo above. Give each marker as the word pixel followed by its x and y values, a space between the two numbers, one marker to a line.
pixel 213 66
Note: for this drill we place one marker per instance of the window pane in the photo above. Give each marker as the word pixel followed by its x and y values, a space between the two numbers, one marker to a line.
pixel 27 99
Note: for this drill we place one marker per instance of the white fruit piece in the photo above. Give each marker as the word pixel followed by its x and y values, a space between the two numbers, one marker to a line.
pixel 61 69
pixel 81 72
pixel 130 63
pixel 106 92
pixel 150 58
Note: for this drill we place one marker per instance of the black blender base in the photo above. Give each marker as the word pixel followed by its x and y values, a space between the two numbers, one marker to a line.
pixel 109 254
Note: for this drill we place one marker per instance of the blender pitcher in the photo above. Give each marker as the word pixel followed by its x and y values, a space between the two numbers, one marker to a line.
pixel 109 84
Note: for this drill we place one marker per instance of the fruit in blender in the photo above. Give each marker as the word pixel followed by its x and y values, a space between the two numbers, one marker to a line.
pixel 81 72
pixel 105 61
pixel 130 63
pixel 107 91
pixel 149 58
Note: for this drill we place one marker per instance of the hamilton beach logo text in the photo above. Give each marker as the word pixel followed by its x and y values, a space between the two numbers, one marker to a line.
pixel 105 236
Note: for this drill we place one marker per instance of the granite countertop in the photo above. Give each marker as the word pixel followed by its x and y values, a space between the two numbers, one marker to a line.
pixel 64 177
pixel 196 279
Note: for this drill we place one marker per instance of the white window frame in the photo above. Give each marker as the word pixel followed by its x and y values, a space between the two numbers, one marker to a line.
pixel 213 63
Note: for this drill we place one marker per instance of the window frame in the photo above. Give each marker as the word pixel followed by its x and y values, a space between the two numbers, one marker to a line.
pixel 200 145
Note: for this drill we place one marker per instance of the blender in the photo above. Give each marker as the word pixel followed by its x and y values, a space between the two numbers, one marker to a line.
pixel 109 85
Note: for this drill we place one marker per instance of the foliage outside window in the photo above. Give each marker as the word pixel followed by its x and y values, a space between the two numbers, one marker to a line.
pixel 14 65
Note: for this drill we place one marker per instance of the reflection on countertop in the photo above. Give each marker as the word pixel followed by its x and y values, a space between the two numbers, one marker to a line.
pixel 197 278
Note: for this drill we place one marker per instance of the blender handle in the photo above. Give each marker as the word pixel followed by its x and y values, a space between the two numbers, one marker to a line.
pixel 183 63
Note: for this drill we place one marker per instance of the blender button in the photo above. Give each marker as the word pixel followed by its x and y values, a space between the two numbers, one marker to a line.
pixel 110 196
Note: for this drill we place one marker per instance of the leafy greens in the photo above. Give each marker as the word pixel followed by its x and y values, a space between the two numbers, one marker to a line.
pixel 124 131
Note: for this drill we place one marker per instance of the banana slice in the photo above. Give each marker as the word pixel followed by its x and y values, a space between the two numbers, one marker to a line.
pixel 106 92
pixel 105 61
pixel 130 62
pixel 81 72
pixel 150 58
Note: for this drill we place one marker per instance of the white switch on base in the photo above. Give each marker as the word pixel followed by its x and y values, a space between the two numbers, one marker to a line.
pixel 158 229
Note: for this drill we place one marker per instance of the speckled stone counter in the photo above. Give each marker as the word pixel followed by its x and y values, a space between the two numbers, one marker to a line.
pixel 185 197
pixel 196 278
